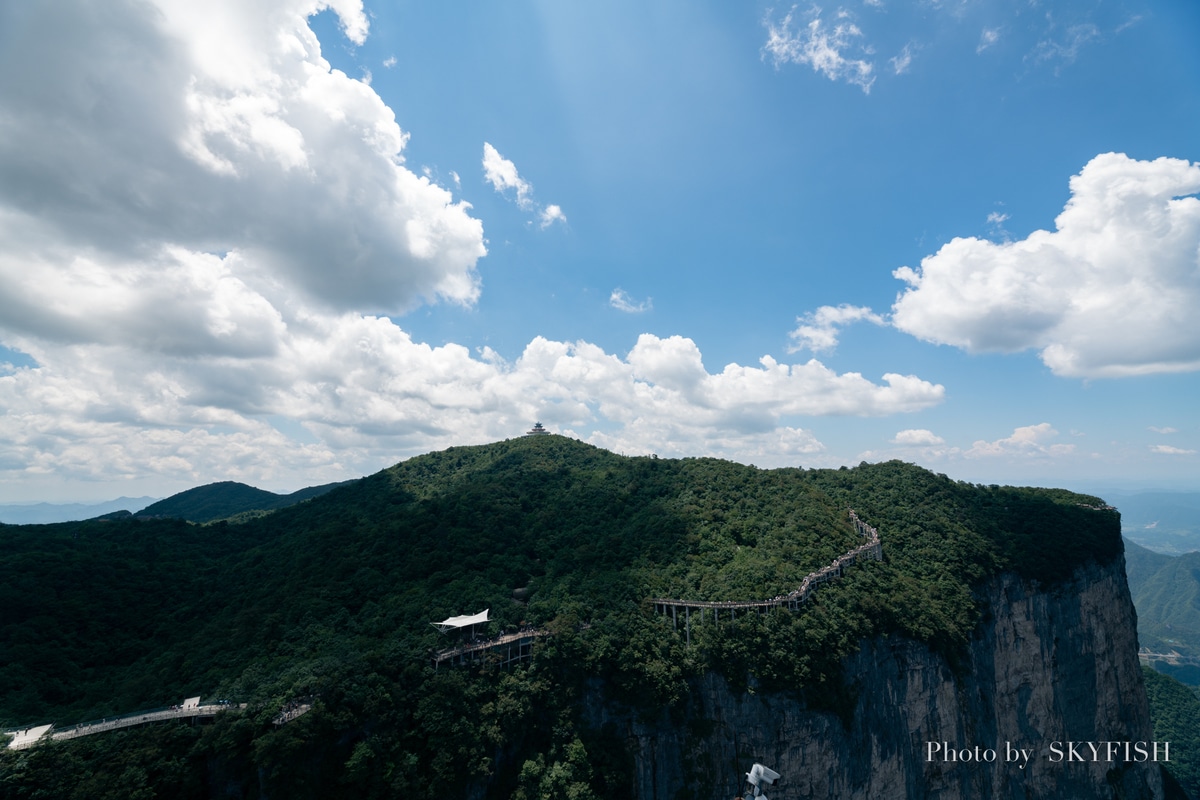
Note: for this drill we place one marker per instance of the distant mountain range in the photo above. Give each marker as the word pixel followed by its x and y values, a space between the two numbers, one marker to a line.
pixel 48 513
pixel 227 499
pixel 213 501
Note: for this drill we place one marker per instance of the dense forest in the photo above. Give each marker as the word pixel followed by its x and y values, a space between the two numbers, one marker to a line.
pixel 1176 712
pixel 331 599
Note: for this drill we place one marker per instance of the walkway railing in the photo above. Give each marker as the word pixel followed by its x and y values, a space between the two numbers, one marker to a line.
pixel 293 709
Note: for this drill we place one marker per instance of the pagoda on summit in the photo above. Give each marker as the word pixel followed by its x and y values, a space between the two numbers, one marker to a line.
pixel 537 430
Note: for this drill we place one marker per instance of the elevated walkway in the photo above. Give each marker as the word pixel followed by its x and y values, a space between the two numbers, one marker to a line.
pixel 514 647
pixel 508 648
pixel 190 709
pixel 870 550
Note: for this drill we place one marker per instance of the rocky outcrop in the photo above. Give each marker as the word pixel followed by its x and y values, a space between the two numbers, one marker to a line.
pixel 1045 668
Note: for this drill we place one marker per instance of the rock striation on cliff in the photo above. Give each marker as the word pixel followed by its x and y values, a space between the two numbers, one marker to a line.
pixel 1045 667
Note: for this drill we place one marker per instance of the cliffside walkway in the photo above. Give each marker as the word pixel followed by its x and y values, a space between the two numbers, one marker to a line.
pixel 509 647
pixel 188 709
pixel 513 647
pixel 870 550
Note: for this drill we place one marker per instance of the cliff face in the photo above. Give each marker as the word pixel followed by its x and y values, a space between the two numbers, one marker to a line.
pixel 1044 667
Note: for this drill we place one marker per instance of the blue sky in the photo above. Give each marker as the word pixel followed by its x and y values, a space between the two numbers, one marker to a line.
pixel 298 242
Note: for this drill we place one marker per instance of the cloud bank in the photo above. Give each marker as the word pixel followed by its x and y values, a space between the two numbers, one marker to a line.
pixel 1171 451
pixel 1028 444
pixel 364 393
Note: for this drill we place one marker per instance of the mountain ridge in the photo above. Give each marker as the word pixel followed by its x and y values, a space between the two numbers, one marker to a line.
pixel 49 513
pixel 226 499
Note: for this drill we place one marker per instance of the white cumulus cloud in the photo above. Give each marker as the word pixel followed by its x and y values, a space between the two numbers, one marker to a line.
pixel 818 330
pixel 917 437
pixel 1111 292
pixel 552 214
pixel 502 175
pixel 214 128
pixel 1028 441
pixel 821 46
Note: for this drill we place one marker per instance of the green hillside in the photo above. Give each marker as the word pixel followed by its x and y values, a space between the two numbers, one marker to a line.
pixel 1142 563
pixel 1166 593
pixel 226 499
pixel 332 599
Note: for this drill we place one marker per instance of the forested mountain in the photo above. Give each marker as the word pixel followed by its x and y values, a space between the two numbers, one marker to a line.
pixel 227 499
pixel 332 600
pixel 207 503
pixel 1142 563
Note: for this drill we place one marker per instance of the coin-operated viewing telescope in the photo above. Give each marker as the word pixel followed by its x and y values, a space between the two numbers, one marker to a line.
pixel 757 777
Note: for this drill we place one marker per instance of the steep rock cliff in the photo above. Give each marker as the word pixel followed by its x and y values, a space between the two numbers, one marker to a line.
pixel 1044 666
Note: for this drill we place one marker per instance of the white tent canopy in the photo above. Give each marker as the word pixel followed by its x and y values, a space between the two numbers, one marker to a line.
pixel 461 622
